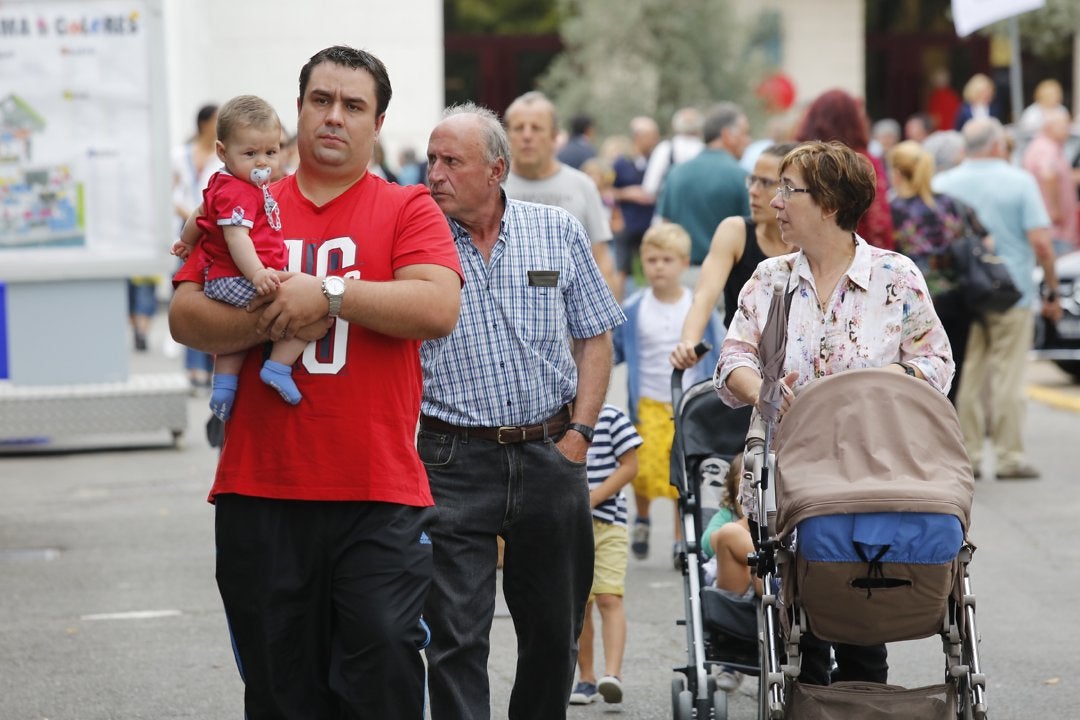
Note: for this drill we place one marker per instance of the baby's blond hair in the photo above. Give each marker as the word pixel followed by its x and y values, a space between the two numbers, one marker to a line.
pixel 668 236
pixel 245 111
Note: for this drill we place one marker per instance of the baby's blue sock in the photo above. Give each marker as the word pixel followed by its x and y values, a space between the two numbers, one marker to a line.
pixel 223 395
pixel 279 377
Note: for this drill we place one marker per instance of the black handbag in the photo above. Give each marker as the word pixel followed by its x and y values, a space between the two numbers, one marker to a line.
pixel 982 277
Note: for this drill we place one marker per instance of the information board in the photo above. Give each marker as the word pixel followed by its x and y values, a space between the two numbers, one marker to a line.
pixel 84 171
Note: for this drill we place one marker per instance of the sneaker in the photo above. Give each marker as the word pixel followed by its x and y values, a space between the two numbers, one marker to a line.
pixel 584 693
pixel 610 689
pixel 728 680
pixel 639 544
pixel 1019 472
pixel 676 556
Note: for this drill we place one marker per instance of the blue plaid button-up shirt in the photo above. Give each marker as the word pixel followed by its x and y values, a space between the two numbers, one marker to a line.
pixel 509 361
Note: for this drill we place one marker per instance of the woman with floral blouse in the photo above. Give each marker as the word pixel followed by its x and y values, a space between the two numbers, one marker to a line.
pixel 852 306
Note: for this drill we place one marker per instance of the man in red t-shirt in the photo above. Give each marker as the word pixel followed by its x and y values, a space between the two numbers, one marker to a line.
pixel 322 509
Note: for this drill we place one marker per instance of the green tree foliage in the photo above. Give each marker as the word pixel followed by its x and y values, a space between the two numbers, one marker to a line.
pixel 650 57
pixel 501 17
pixel 1046 32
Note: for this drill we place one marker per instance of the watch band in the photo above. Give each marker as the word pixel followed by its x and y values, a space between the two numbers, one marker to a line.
pixel 908 369
pixel 334 299
pixel 334 305
pixel 585 430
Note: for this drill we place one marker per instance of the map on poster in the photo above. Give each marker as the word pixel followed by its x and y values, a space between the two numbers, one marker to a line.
pixel 77 128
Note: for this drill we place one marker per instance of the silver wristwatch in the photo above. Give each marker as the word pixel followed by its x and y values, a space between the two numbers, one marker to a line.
pixel 333 288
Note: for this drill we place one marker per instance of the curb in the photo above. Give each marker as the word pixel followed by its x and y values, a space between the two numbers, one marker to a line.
pixel 1054 398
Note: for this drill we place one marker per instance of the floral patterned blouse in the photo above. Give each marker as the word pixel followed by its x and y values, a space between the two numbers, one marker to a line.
pixel 879 313
pixel 924 234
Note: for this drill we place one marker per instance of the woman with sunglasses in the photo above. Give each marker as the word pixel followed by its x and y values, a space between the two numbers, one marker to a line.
pixel 852 306
pixel 738 245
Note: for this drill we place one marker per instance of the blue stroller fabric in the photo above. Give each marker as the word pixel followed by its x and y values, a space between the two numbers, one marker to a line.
pixel 899 537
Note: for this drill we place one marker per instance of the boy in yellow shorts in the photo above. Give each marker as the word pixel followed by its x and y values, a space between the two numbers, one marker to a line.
pixel 611 464
pixel 654 318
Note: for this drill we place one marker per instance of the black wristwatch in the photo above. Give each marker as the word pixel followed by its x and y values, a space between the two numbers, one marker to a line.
pixel 585 430
pixel 1050 296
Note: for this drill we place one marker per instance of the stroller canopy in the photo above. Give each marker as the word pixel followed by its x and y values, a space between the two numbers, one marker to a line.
pixel 866 441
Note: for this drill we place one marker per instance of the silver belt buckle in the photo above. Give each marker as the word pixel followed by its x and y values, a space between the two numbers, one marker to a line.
pixel 499 435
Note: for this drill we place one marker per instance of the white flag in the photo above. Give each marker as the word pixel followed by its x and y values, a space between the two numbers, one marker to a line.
pixel 970 15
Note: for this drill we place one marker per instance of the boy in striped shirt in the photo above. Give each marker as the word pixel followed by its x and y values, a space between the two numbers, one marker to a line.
pixel 612 464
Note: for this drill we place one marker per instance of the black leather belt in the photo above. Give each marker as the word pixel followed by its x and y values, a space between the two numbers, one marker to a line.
pixel 507 434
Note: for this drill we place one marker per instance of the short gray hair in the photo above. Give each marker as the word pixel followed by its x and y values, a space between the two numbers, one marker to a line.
pixel 947 147
pixel 535 97
pixel 982 134
pixel 722 116
pixel 686 121
pixel 496 144
pixel 887 126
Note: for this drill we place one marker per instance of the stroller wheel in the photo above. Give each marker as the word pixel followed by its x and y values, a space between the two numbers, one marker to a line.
pixel 685 709
pixel 965 702
pixel 678 685
pixel 719 703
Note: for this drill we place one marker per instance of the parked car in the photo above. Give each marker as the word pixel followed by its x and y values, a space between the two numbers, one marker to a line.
pixel 1060 342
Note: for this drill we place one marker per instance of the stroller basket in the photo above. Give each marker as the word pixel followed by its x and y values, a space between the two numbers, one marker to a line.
pixel 871 701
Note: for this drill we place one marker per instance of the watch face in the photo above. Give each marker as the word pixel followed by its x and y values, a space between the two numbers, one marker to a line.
pixel 335 285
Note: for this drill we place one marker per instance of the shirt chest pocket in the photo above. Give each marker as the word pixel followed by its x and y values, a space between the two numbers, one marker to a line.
pixel 543 317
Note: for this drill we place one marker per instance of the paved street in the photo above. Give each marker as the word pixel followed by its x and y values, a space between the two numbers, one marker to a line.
pixel 108 608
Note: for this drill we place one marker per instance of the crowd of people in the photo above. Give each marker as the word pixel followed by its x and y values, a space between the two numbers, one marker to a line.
pixel 921 207
pixel 444 351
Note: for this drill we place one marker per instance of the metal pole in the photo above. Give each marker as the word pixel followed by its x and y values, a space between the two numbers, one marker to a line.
pixel 1016 86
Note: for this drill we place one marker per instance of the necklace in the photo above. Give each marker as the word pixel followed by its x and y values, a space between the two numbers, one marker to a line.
pixel 827 283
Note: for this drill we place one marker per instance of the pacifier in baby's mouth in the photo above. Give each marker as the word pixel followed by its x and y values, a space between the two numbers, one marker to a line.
pixel 260 175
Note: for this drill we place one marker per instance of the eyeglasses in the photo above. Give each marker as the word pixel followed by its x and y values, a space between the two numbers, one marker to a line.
pixel 765 183
pixel 785 190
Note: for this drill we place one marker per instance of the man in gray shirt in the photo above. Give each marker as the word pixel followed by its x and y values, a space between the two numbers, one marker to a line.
pixel 536 175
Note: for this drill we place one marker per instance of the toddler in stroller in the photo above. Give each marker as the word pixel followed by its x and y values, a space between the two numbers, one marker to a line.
pixel 726 543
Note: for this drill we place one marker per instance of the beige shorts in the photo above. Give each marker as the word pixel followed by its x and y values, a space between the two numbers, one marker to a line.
pixel 612 549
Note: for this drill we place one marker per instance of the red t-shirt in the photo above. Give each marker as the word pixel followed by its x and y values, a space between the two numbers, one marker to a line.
pixel 228 200
pixel 352 436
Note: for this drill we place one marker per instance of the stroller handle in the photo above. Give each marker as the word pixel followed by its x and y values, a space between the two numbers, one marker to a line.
pixel 677 374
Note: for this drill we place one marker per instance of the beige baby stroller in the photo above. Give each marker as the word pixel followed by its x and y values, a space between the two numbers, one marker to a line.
pixel 866 494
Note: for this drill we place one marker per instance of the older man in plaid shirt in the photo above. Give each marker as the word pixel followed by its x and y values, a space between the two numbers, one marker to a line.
pixel 510 398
